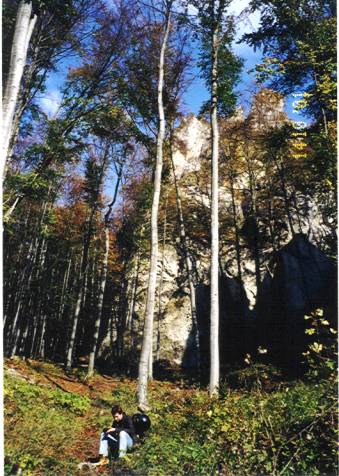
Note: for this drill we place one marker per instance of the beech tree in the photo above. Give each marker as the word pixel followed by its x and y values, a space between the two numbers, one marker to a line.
pixel 44 33
pixel 24 27
pixel 146 350
pixel 221 70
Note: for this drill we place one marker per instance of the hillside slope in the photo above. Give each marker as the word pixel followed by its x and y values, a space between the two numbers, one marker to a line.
pixel 260 424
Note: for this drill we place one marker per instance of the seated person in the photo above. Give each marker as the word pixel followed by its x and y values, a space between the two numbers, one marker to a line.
pixel 119 437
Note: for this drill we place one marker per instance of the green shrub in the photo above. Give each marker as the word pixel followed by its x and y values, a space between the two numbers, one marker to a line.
pixel 77 404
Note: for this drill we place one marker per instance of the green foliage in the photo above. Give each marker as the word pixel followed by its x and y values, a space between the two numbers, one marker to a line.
pixel 29 184
pixel 299 45
pixel 229 65
pixel 321 356
pixel 290 429
pixel 77 404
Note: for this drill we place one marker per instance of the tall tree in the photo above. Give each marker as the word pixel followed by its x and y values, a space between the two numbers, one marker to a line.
pixel 55 29
pixel 150 302
pixel 24 27
pixel 216 33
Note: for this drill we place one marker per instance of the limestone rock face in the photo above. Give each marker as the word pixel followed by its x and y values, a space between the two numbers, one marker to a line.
pixel 191 143
pixel 174 339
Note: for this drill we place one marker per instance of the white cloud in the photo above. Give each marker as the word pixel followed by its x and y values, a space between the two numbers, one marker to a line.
pixel 50 102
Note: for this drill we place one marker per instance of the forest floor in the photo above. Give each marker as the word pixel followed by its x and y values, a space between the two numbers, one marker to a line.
pixel 262 425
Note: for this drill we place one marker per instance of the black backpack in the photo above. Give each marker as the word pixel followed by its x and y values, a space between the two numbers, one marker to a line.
pixel 142 423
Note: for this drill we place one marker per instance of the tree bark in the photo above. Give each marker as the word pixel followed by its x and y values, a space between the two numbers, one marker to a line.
pixel 214 312
pixel 150 303
pixel 24 27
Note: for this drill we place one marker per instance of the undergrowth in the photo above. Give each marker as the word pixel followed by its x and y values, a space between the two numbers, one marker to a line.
pixel 287 430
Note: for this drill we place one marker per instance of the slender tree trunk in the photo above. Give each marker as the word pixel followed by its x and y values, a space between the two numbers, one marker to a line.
pixel 64 287
pixel 103 276
pixel 134 286
pixel 24 27
pixel 214 315
pixel 82 278
pixel 81 282
pixel 188 260
pixel 286 198
pixel 42 346
pixel 148 327
pixel 100 306
pixel 236 228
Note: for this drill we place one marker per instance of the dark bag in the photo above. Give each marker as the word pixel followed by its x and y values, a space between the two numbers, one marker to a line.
pixel 141 423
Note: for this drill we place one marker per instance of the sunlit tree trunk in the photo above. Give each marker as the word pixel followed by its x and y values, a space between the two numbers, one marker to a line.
pixel 150 302
pixel 64 287
pixel 214 315
pixel 81 287
pixel 24 27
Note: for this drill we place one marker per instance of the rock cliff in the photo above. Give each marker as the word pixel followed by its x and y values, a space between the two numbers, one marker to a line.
pixel 261 276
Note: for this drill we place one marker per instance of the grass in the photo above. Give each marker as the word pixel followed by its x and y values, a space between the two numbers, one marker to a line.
pixel 53 424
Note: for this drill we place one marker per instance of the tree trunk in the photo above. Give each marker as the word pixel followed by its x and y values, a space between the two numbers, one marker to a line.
pixel 64 287
pixel 100 306
pixel 134 287
pixel 281 171
pixel 148 327
pixel 214 316
pixel 188 261
pixel 24 27
pixel 103 276
pixel 82 279
pixel 236 228
pixel 80 293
